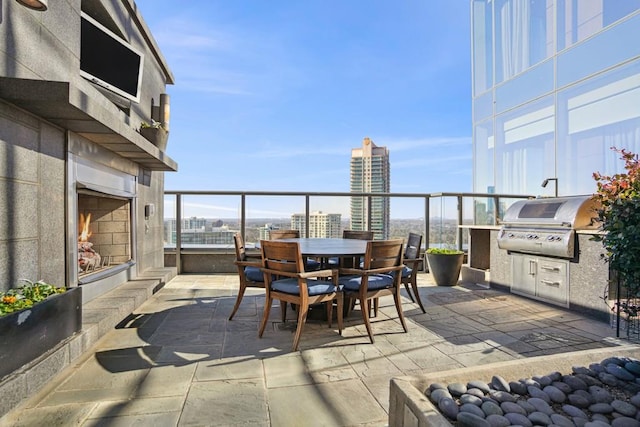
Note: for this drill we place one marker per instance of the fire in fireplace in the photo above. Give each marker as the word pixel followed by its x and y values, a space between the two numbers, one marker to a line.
pixel 104 236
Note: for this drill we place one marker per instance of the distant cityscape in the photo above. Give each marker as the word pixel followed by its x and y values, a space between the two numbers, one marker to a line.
pixel 218 232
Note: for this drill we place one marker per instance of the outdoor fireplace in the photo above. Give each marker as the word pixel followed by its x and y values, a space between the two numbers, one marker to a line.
pixel 101 226
pixel 104 233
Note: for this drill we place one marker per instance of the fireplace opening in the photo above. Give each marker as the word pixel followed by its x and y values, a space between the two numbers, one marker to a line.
pixel 104 233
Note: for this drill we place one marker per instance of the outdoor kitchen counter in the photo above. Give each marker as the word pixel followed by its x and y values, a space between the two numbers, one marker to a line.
pixel 480 245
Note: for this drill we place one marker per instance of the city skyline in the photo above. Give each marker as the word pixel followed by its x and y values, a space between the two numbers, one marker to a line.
pixel 274 96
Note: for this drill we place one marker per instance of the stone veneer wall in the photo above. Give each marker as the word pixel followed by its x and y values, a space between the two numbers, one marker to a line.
pixel 32 199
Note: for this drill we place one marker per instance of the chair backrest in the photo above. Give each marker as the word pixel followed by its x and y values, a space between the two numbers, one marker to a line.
pixel 241 253
pixel 281 256
pixel 284 234
pixel 359 235
pixel 383 254
pixel 412 249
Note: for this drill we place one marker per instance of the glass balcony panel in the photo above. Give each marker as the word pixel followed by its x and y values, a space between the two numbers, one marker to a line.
pixel 577 20
pixel 483 107
pixel 525 147
pixel 483 168
pixel 535 83
pixel 523 35
pixel 607 49
pixel 598 114
pixel 482 46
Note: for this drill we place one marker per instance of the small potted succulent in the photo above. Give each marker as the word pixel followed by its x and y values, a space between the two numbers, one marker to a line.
pixel 445 265
pixel 156 133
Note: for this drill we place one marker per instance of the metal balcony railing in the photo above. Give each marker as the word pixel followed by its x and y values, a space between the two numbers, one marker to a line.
pixel 441 214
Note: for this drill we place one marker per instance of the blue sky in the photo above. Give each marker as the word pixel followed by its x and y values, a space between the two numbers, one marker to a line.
pixel 273 95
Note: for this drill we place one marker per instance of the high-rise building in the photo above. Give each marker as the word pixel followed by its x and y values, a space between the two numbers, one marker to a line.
pixel 370 173
pixel 556 84
pixel 323 225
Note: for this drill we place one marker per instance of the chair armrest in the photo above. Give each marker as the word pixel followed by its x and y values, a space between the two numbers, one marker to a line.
pixel 359 272
pixel 413 261
pixel 318 273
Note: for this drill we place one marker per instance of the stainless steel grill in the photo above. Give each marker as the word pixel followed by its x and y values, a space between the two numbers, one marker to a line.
pixel 547 226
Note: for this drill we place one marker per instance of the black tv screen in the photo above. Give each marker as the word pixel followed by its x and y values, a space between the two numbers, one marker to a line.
pixel 109 61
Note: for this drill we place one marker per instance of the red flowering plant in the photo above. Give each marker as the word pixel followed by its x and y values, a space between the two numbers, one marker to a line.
pixel 26 296
pixel 619 215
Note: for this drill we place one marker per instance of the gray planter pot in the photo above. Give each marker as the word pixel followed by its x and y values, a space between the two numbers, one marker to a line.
pixel 157 136
pixel 445 268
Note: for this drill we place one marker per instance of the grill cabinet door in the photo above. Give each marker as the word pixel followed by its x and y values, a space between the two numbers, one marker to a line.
pixel 524 272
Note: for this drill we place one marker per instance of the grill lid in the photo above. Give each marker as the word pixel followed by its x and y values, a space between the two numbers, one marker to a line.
pixel 575 212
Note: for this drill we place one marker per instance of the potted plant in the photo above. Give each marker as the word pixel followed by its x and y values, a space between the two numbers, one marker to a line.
pixel 619 215
pixel 34 318
pixel 445 265
pixel 156 133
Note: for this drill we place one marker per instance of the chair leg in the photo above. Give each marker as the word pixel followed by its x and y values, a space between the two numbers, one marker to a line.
pixel 364 303
pixel 238 300
pixel 265 316
pixel 340 299
pixel 406 286
pixel 414 285
pixel 396 299
pixel 329 307
pixel 283 310
pixel 302 318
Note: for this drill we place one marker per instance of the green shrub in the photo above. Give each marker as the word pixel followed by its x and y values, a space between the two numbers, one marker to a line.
pixel 444 251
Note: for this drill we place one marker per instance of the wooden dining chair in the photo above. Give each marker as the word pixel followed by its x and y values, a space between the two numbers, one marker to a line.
pixel 412 264
pixel 357 234
pixel 249 270
pixel 351 234
pixel 284 234
pixel 287 281
pixel 354 262
pixel 379 276
pixel 309 263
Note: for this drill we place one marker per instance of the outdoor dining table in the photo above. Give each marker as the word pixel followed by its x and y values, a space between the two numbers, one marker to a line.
pixel 330 247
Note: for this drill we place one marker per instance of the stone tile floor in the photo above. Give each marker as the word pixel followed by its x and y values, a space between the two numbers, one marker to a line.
pixel 178 361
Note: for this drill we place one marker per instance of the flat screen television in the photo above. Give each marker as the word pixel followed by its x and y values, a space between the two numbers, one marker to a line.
pixel 109 61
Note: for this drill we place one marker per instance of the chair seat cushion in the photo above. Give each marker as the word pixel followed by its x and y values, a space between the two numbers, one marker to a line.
pixel 376 281
pixel 314 287
pixel 406 272
pixel 254 274
pixel 311 264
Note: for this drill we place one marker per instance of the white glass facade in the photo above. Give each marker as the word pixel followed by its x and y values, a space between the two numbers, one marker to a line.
pixel 556 84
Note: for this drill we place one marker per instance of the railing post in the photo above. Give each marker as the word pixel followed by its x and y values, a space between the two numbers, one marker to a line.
pixel 427 222
pixel 243 215
pixel 496 209
pixel 460 219
pixel 306 215
pixel 369 207
pixel 178 232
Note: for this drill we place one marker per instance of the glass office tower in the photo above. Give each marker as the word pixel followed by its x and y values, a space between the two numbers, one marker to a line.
pixel 556 84
pixel 370 173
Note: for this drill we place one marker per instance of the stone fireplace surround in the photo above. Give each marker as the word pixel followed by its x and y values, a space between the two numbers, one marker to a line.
pixel 110 195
